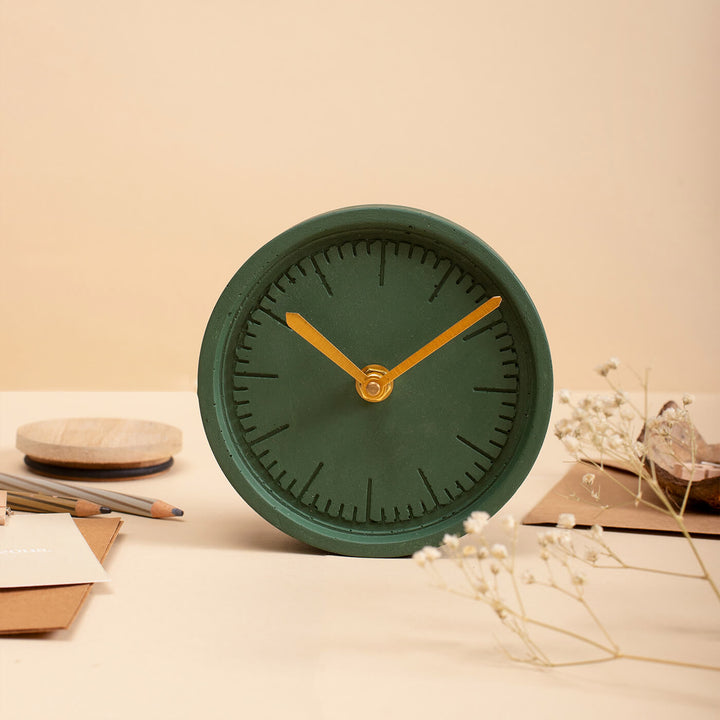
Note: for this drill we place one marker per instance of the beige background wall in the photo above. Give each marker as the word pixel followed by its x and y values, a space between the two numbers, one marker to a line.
pixel 148 148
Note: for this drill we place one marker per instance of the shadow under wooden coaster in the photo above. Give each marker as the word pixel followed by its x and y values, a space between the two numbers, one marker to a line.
pixel 98 448
pixel 67 472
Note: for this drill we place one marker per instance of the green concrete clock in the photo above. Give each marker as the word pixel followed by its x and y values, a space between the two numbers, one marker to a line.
pixel 371 376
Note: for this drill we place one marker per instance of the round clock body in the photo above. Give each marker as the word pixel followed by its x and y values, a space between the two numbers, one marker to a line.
pixel 459 431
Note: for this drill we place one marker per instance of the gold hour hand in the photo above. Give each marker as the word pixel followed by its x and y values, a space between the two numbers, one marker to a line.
pixel 307 332
pixel 445 337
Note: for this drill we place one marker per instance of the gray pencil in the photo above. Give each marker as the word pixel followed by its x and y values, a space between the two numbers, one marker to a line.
pixel 120 502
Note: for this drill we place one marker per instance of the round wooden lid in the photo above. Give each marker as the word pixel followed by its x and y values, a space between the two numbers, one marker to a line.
pixel 99 442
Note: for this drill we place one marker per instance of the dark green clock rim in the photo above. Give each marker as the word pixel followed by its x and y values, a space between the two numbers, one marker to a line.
pixel 241 293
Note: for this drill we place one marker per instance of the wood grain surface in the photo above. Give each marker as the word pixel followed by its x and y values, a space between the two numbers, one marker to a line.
pixel 99 442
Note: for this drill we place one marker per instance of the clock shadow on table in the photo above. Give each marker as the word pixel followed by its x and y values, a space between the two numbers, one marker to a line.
pixel 255 533
pixel 224 528
pixel 229 526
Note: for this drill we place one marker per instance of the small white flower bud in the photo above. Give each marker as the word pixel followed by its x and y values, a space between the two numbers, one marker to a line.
pixel 431 553
pixel 551 537
pixel 566 521
pixel 670 414
pixel 627 413
pixel 482 587
pixel 572 445
pixel 476 523
pixel 639 449
pixel 499 551
pixel 501 612
pixel 602 370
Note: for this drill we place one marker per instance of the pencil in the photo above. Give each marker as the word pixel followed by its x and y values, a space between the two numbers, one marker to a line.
pixel 120 502
pixel 38 502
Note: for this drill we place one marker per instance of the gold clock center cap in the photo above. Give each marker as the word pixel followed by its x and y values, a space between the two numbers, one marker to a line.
pixel 373 389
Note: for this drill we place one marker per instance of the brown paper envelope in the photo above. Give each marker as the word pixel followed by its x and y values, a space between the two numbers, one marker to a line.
pixel 615 507
pixel 40 609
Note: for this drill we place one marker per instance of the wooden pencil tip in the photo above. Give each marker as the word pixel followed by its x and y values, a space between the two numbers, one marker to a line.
pixel 161 509
pixel 105 510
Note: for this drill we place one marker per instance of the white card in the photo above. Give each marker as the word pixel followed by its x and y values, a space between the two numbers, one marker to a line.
pixel 46 549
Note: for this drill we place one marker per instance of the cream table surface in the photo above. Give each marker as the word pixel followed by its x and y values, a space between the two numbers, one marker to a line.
pixel 218 614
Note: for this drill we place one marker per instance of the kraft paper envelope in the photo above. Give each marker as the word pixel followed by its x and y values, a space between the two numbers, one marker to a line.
pixel 41 609
pixel 614 507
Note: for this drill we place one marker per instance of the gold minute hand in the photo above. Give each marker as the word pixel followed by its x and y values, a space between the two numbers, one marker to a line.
pixel 307 332
pixel 445 337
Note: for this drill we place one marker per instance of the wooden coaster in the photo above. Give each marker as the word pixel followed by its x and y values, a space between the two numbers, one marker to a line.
pixel 98 448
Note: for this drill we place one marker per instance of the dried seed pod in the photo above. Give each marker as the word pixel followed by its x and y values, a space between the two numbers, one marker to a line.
pixel 677 455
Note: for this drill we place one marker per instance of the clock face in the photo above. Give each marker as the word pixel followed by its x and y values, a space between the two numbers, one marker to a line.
pixel 344 472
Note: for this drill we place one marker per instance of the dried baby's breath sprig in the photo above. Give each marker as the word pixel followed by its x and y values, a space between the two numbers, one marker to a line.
pixel 489 574
pixel 600 428
pixel 605 429
pixel 612 364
